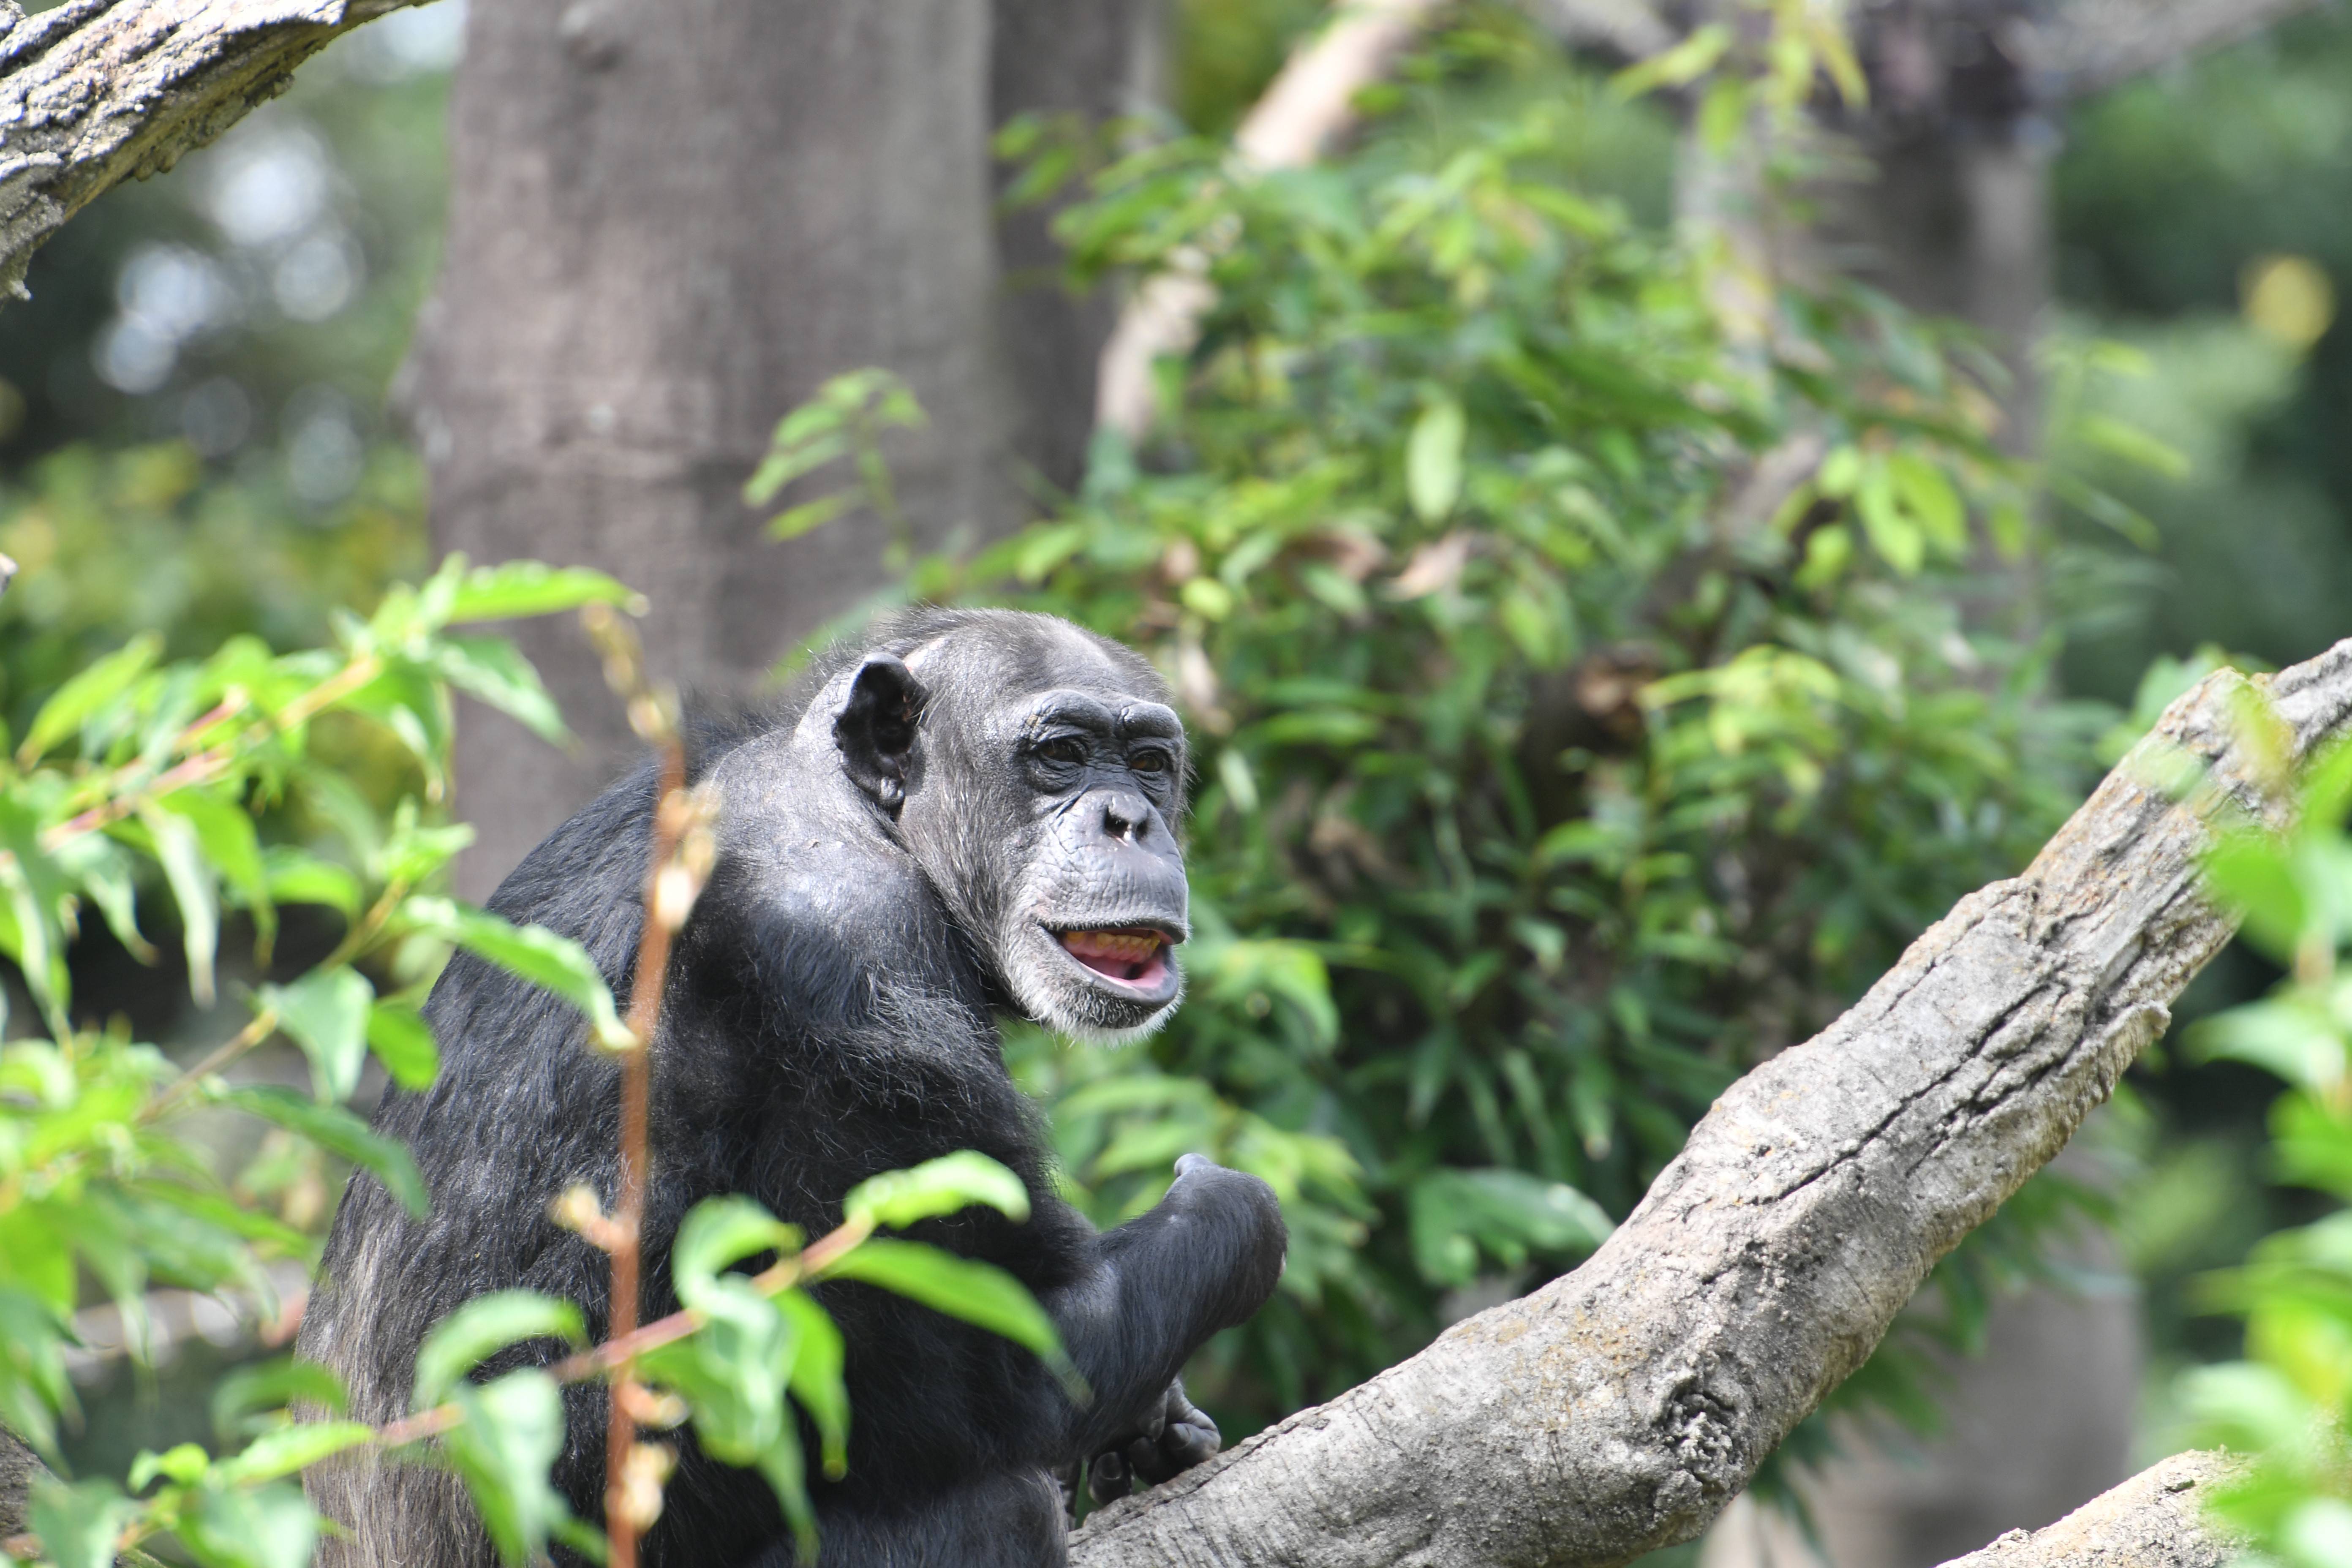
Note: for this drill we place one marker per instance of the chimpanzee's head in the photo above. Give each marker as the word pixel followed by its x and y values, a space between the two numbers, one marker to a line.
pixel 1036 772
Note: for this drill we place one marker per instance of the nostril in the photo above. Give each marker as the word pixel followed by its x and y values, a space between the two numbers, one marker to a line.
pixel 1122 820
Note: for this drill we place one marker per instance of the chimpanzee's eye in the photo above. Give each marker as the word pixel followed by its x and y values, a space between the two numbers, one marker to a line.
pixel 1063 750
pixel 1150 760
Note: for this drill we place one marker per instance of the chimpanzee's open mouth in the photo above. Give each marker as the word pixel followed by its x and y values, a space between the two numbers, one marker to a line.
pixel 1132 955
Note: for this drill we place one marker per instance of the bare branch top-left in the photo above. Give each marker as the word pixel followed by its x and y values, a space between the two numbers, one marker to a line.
pixel 98 91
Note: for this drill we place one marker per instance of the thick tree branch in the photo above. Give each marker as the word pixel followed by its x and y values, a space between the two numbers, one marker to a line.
pixel 1619 1408
pixel 2088 46
pixel 1309 105
pixel 19 1467
pixel 98 91
pixel 2072 50
pixel 2156 1520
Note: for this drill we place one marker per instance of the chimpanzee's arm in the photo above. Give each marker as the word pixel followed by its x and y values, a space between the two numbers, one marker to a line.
pixel 1204 1259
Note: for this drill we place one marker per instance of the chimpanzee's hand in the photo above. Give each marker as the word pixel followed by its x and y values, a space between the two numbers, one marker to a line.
pixel 1173 1435
pixel 1243 1207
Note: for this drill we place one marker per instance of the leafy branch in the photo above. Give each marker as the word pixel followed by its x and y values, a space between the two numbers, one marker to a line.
pixel 178 771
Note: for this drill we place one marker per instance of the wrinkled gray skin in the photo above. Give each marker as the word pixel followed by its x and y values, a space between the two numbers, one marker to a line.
pixel 1092 770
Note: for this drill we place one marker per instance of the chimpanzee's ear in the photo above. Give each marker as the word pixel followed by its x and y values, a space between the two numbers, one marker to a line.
pixel 876 731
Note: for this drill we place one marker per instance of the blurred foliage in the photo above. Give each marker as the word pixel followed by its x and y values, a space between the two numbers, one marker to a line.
pixel 112 543
pixel 1225 51
pixel 193 437
pixel 2204 217
pixel 138 784
pixel 187 777
pixel 2288 1405
pixel 1581 705
pixel 257 301
pixel 2181 201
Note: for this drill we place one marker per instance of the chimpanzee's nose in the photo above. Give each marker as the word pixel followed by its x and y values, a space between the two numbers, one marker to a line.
pixel 1127 814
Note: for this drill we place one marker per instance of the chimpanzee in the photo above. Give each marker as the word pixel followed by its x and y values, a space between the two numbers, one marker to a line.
pixel 969 812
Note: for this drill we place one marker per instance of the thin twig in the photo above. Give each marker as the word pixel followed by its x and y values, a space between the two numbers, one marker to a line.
pixel 675 870
pixel 265 1023
pixel 670 815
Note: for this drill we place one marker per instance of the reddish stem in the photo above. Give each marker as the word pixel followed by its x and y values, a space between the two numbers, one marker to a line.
pixel 629 1207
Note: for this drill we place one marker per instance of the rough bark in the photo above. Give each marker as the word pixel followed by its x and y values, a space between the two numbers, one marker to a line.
pixel 19 1467
pixel 1619 1408
pixel 2156 1520
pixel 1098 60
pixel 2088 46
pixel 664 233
pixel 98 92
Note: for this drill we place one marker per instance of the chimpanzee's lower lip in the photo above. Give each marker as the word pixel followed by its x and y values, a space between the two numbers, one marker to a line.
pixel 1129 957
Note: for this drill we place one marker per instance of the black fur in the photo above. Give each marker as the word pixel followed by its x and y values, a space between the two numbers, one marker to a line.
pixel 898 846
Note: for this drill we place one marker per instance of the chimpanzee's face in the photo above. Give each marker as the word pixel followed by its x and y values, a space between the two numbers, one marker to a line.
pixel 1042 781
pixel 1087 943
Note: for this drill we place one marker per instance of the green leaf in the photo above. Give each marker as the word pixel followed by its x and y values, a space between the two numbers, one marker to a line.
pixel 190 877
pixel 1456 1214
pixel 184 1464
pixel 269 1526
pixel 1828 550
pixel 2291 1036
pixel 1930 499
pixel 1433 460
pixel 2250 872
pixel 103 867
pixel 79 1524
pixel 292 876
pixel 533 952
pixel 1898 542
pixel 33 1336
pixel 900 1198
pixel 338 1132
pixel 718 1232
pixel 978 1293
pixel 326 1014
pixel 817 1380
pixel 520 588
pixel 788 1477
pixel 495 670
pixel 404 1043
pixel 224 832
pixel 270 1387
pixel 484 1326
pixel 504 1449
pixel 1683 63
pixel 810 516
pixel 2112 435
pixel 287 1449
pixel 415 850
pixel 792 456
pixel 85 693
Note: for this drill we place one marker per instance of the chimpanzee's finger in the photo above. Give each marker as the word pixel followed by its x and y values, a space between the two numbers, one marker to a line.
pixel 1106 1477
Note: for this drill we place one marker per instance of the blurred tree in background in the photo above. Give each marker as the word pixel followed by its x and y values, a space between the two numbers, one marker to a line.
pixel 1542 790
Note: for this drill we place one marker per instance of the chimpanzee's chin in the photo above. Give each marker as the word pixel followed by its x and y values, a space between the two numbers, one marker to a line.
pixel 1101 985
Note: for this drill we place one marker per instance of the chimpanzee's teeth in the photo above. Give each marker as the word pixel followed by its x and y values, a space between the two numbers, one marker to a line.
pixel 1123 947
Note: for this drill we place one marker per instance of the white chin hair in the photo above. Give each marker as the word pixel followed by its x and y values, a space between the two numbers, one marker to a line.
pixel 1046 1000
pixel 1095 1035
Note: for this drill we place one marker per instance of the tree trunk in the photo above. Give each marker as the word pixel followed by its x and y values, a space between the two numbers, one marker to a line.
pixel 664 233
pixel 1099 59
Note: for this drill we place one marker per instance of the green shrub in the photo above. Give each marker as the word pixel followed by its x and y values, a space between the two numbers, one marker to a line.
pixel 1587 701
